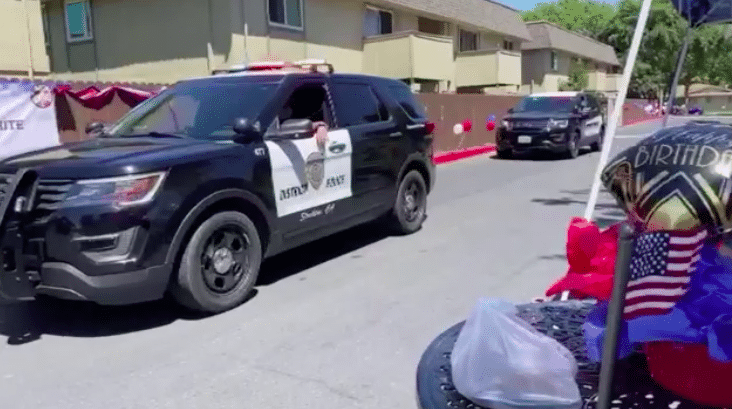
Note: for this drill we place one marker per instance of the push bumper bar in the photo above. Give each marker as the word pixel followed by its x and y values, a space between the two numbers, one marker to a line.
pixel 16 282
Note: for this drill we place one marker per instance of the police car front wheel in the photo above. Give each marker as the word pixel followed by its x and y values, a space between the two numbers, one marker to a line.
pixel 220 264
pixel 411 203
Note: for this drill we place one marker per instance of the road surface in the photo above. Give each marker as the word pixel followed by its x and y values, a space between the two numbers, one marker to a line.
pixel 340 323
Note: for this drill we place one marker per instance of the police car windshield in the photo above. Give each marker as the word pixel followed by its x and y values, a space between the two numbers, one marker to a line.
pixel 200 110
pixel 545 104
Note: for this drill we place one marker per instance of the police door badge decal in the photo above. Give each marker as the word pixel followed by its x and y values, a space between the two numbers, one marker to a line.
pixel 315 163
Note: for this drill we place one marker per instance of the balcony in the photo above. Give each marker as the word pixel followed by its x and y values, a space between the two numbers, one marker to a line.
pixel 487 67
pixel 409 54
pixel 600 81
pixel 612 82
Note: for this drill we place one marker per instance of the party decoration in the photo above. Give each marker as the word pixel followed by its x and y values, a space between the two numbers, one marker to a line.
pixel 491 118
pixel 458 129
pixel 467 125
pixel 591 256
pixel 677 179
pixel 688 371
pixel 702 316
pixel 490 126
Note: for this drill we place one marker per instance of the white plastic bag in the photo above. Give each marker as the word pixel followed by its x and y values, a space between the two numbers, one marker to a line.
pixel 500 361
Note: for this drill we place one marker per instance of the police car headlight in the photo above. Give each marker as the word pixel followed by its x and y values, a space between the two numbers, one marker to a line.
pixel 119 191
pixel 506 124
pixel 561 123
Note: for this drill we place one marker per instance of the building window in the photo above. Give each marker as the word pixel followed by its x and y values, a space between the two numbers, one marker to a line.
pixel 429 26
pixel 78 20
pixel 508 45
pixel 554 61
pixel 377 22
pixel 286 13
pixel 468 41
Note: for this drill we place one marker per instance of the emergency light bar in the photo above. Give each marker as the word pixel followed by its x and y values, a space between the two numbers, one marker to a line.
pixel 310 65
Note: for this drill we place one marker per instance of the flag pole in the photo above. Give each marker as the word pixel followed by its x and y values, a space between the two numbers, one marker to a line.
pixel 614 318
pixel 677 74
pixel 618 108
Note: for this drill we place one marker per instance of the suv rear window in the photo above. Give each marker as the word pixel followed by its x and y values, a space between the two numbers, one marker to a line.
pixel 404 96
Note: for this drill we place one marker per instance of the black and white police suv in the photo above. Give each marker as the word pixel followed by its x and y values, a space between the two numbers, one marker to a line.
pixel 191 189
pixel 557 122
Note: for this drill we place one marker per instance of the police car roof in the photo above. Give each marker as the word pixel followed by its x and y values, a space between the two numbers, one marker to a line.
pixel 277 75
pixel 560 94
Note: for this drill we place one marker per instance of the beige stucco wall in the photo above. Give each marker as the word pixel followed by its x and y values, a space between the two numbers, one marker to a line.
pixel 710 104
pixel 168 40
pixel 15 47
pixel 133 40
pixel 536 66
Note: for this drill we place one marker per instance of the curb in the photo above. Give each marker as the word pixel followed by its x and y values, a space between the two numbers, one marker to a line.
pixel 639 121
pixel 451 156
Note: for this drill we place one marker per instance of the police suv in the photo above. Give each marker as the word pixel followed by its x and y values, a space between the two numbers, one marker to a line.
pixel 556 122
pixel 190 190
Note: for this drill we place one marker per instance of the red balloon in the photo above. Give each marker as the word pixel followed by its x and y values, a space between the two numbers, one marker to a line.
pixel 467 125
pixel 490 126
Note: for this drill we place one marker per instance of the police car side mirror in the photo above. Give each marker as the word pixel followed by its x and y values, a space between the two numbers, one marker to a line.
pixel 295 129
pixel 94 127
pixel 246 130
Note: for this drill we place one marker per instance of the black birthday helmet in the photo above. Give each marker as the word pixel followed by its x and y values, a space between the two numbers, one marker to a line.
pixel 677 179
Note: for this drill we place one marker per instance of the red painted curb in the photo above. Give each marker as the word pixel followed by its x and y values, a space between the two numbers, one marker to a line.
pixel 642 120
pixel 451 156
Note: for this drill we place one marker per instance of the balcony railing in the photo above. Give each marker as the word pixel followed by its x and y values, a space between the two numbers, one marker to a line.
pixel 487 67
pixel 409 54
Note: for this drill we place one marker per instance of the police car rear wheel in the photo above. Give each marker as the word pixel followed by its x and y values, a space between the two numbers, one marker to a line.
pixel 220 264
pixel 411 203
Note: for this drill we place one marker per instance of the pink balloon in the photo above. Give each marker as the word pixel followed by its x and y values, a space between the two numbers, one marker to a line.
pixel 490 126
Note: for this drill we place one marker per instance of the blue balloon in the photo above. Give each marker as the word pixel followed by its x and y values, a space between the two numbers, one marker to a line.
pixel 491 118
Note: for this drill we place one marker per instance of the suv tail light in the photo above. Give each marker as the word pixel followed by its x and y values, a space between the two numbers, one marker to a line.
pixel 429 127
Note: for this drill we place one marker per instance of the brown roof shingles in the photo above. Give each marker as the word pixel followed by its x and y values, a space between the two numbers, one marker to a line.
pixel 547 35
pixel 485 14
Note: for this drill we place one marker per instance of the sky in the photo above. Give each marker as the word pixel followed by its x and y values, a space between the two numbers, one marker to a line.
pixel 524 5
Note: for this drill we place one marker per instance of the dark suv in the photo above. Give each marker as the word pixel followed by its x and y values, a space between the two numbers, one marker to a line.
pixel 190 190
pixel 557 122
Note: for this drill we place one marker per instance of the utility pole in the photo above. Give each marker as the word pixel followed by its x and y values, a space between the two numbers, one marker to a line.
pixel 30 39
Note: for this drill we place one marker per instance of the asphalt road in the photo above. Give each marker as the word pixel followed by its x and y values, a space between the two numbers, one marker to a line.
pixel 340 323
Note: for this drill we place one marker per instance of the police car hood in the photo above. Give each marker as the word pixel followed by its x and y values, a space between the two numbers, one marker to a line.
pixel 106 156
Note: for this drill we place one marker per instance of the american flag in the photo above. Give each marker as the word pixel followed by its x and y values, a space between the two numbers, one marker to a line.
pixel 660 269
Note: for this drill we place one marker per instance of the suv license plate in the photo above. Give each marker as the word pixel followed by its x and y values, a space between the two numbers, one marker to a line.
pixel 524 139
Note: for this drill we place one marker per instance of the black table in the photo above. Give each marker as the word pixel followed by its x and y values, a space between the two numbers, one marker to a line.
pixel 562 320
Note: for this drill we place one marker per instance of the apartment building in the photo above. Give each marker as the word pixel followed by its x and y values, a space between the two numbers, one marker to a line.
pixel 22 43
pixel 548 57
pixel 437 45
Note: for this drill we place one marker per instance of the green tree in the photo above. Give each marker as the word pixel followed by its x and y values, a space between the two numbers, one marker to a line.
pixel 578 78
pixel 581 16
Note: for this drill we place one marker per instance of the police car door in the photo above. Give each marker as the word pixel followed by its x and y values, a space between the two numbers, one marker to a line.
pixel 311 176
pixel 592 119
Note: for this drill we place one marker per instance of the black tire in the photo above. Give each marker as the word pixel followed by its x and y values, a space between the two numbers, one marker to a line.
pixel 596 146
pixel 410 208
pixel 573 147
pixel 230 239
pixel 504 154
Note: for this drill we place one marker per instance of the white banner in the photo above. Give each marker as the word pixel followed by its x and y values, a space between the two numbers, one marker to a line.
pixel 27 118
